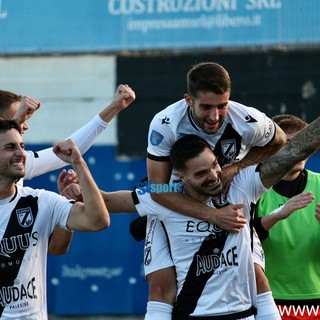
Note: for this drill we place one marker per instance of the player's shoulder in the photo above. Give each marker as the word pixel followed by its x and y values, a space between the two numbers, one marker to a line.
pixel 25 191
pixel 41 194
pixel 243 113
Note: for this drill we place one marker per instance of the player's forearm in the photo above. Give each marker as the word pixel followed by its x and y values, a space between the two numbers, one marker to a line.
pixel 108 113
pixel 119 201
pixel 60 241
pixel 229 217
pixel 257 155
pixel 87 134
pixel 94 206
pixel 185 205
pixel 270 220
pixel 300 147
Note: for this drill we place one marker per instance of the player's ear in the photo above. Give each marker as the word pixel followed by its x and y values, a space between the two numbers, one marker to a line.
pixel 181 176
pixel 188 100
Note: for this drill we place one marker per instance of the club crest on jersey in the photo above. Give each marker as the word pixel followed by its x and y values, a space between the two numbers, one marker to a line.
pixel 147 256
pixel 221 201
pixel 228 147
pixel 25 217
pixel 155 138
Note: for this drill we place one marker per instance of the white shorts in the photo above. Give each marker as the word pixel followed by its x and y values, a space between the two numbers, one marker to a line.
pixel 156 248
pixel 258 253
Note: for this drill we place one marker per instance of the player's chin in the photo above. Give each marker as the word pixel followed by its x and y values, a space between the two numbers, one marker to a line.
pixel 214 190
pixel 210 128
pixel 18 175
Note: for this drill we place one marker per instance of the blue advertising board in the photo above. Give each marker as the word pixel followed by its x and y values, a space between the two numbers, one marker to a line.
pixel 48 26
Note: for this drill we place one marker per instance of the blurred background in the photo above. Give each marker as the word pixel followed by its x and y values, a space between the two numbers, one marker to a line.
pixel 72 55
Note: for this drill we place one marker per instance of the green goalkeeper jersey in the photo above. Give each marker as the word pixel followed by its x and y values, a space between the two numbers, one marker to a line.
pixel 292 250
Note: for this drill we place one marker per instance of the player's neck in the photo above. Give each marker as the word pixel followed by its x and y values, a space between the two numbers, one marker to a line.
pixel 7 190
pixel 189 191
pixel 291 176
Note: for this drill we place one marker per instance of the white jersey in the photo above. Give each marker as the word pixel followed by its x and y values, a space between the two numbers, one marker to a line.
pixel 27 222
pixel 242 128
pixel 44 161
pixel 215 272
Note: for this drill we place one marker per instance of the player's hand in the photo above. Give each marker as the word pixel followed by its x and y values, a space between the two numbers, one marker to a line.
pixel 295 203
pixel 124 96
pixel 27 107
pixel 72 191
pixel 68 152
pixel 65 178
pixel 230 217
pixel 68 185
pixel 228 173
pixel 317 215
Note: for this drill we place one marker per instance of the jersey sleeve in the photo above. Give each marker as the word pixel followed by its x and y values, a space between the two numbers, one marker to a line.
pixel 248 186
pixel 44 161
pixel 59 207
pixel 261 129
pixel 160 139
pixel 146 206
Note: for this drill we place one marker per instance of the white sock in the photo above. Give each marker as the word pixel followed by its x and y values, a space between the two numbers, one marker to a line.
pixel 266 307
pixel 158 311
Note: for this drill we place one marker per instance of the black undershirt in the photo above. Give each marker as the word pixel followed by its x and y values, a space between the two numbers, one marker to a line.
pixel 291 188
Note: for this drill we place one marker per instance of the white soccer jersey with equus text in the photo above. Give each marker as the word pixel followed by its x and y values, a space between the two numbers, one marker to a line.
pixel 243 127
pixel 214 268
pixel 26 223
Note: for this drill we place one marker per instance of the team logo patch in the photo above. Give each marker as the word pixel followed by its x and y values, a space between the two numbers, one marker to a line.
pixel 165 120
pixel 250 119
pixel 155 138
pixel 221 201
pixel 147 256
pixel 25 217
pixel 229 148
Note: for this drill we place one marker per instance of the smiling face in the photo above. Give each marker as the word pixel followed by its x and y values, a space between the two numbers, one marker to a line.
pixel 209 110
pixel 12 156
pixel 202 176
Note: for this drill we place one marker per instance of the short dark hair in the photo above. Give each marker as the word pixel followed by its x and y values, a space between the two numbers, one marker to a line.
pixel 6 125
pixel 7 98
pixel 289 123
pixel 186 148
pixel 208 77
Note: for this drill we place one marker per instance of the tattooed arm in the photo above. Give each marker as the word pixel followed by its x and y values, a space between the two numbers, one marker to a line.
pixel 300 147
pixel 258 154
